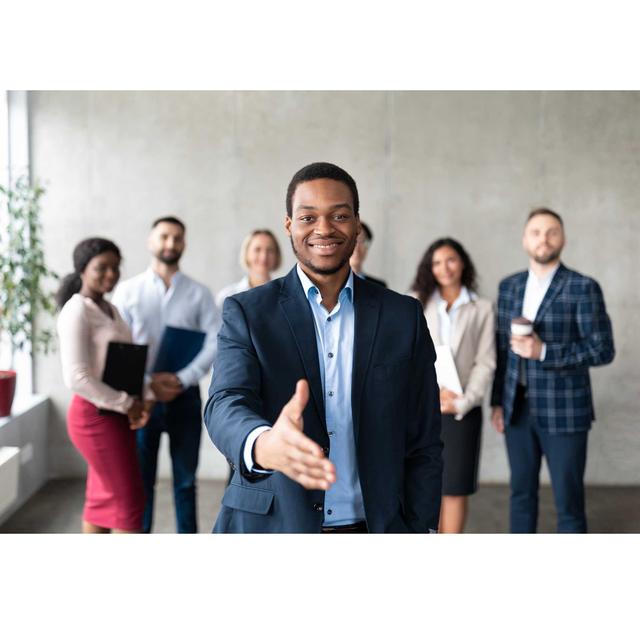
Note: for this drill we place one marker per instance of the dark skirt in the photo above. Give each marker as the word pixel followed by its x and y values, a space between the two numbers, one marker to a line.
pixel 461 453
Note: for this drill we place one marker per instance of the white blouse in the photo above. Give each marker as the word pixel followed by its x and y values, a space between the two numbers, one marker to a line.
pixel 231 290
pixel 448 318
pixel 84 333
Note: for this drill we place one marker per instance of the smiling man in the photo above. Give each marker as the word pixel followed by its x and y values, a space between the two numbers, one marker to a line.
pixel 541 395
pixel 324 397
pixel 159 297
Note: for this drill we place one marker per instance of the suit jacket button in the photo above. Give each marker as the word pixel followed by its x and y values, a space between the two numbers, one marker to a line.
pixel 317 507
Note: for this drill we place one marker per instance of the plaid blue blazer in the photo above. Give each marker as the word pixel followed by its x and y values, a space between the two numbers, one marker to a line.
pixel 573 322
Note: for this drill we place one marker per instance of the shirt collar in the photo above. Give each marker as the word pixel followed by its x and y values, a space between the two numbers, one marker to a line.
pixel 154 277
pixel 310 289
pixel 464 298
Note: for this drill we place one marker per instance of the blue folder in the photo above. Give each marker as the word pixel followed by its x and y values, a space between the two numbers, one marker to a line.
pixel 178 347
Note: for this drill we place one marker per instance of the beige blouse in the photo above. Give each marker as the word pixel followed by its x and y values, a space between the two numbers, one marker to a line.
pixel 84 333
pixel 473 346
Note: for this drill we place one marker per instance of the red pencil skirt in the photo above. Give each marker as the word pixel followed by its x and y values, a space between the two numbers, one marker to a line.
pixel 115 495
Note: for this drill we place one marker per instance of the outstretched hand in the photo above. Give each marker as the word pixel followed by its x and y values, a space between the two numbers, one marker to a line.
pixel 285 448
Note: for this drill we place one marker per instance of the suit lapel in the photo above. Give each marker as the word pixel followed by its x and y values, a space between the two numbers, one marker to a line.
pixel 433 321
pixel 367 311
pixel 518 299
pixel 300 318
pixel 465 312
pixel 554 289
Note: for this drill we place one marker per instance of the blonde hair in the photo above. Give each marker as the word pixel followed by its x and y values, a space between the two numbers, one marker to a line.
pixel 244 247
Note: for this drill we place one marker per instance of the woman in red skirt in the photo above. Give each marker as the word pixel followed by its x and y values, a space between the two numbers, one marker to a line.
pixel 106 440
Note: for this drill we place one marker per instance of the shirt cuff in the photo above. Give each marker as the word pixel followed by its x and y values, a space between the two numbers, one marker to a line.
pixel 248 450
pixel 543 352
pixel 461 407
pixel 184 378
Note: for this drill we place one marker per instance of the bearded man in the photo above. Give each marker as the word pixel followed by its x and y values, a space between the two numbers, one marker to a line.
pixel 159 297
pixel 552 326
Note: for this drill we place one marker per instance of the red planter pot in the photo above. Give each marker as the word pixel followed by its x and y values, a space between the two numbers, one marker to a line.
pixel 7 390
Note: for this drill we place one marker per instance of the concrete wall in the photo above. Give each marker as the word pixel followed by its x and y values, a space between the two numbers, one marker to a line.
pixel 467 164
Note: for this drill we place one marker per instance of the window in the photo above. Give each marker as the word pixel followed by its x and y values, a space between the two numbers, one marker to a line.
pixel 14 162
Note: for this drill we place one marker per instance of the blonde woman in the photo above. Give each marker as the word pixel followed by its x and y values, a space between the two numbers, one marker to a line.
pixel 259 257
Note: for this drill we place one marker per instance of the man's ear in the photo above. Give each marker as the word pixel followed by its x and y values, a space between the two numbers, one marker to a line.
pixel 287 225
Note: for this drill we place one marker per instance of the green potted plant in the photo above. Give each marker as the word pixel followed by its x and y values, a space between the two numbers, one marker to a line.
pixel 22 275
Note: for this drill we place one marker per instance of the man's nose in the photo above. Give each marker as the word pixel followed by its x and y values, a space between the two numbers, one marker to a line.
pixel 323 226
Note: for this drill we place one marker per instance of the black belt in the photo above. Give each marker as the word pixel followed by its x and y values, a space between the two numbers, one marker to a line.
pixel 355 527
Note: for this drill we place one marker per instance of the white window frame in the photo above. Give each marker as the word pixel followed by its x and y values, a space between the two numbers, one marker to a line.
pixel 14 139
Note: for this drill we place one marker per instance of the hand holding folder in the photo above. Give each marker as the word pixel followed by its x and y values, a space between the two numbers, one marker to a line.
pixel 125 366
pixel 124 371
pixel 178 347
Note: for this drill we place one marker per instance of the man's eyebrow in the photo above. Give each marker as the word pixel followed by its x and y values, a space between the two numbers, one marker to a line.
pixel 339 205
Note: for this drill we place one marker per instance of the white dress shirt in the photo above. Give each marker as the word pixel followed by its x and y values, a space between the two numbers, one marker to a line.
pixel 534 294
pixel 448 318
pixel 148 306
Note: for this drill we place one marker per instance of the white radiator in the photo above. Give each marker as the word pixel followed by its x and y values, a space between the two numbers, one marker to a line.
pixel 9 473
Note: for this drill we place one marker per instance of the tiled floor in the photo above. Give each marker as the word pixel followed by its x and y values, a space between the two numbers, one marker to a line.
pixel 57 508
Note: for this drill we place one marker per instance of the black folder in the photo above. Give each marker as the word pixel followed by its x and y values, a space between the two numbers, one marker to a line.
pixel 178 347
pixel 125 366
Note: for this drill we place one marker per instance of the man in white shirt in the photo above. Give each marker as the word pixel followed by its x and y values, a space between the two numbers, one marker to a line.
pixel 164 296
pixel 541 397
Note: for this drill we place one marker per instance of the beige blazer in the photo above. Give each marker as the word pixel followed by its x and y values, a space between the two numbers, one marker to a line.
pixel 473 344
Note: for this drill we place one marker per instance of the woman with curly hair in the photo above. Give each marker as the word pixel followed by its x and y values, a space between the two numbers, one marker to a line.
pixel 445 284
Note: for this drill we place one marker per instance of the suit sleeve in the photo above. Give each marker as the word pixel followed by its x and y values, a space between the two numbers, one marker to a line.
pixel 234 408
pixel 423 459
pixel 502 346
pixel 595 336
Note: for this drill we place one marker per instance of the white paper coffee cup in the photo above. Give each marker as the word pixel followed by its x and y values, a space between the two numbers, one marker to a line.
pixel 521 329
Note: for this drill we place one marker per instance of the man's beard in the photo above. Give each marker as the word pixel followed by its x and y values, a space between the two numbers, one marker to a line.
pixel 546 259
pixel 169 260
pixel 323 272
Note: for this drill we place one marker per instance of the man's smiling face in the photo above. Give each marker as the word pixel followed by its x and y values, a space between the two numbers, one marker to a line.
pixel 323 226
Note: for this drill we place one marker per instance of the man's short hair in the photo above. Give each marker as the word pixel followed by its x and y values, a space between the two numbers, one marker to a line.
pixel 170 220
pixel 543 211
pixel 367 231
pixel 318 171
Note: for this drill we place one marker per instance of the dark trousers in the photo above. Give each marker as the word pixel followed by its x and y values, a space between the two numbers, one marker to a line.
pixel 566 456
pixel 181 419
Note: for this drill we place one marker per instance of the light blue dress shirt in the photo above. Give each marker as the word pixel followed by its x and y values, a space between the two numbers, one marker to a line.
pixel 335 341
pixel 148 306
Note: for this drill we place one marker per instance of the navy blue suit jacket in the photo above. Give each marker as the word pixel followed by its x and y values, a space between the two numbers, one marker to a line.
pixel 267 343
pixel 573 322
